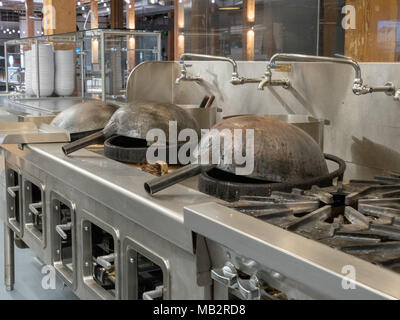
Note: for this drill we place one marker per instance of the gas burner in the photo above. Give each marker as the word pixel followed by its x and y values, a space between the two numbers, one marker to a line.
pixel 130 150
pixel 124 149
pixel 230 187
pixel 361 218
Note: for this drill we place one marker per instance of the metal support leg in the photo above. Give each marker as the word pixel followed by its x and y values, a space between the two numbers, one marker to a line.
pixel 9 266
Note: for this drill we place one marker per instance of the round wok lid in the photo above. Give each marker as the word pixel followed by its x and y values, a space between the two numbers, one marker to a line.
pixel 138 118
pixel 85 117
pixel 282 152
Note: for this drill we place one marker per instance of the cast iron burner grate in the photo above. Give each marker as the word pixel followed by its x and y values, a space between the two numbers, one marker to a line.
pixel 361 218
pixel 230 187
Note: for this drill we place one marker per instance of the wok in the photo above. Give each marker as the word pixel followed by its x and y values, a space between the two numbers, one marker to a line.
pixel 83 119
pixel 282 153
pixel 135 120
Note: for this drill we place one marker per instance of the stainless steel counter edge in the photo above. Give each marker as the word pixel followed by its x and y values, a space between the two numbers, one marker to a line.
pixel 293 256
pixel 118 187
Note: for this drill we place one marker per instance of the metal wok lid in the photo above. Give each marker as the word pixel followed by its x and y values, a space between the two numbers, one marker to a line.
pixel 282 152
pixel 85 117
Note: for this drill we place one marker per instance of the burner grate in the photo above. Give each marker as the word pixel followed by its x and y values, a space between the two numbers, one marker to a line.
pixel 361 218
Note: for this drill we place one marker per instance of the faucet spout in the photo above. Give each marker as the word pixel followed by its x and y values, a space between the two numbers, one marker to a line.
pixel 235 80
pixel 358 87
pixel 308 58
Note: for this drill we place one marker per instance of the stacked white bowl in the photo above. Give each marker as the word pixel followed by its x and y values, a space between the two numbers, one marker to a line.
pixel 28 73
pixel 46 70
pixel 65 72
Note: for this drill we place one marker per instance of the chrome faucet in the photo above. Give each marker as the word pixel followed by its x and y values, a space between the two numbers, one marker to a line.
pixel 184 74
pixel 235 80
pixel 358 87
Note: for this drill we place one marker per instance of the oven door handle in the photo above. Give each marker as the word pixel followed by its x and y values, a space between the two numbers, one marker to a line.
pixel 12 191
pixel 154 294
pixel 61 228
pixel 105 261
pixel 34 206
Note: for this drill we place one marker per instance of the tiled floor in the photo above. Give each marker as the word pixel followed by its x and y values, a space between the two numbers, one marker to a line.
pixel 28 282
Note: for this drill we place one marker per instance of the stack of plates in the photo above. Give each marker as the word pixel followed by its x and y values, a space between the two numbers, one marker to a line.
pixel 46 70
pixel 28 73
pixel 65 72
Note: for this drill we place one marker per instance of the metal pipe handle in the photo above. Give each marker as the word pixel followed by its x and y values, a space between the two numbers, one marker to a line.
pixel 161 183
pixel 97 137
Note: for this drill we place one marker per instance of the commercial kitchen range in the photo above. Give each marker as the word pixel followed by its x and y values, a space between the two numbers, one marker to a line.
pixel 107 238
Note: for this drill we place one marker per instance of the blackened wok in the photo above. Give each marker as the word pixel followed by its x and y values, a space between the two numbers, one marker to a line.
pixel 135 121
pixel 86 118
pixel 282 153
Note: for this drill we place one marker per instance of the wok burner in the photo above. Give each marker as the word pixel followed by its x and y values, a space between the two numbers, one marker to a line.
pixel 361 218
pixel 230 187
pixel 130 150
pixel 124 149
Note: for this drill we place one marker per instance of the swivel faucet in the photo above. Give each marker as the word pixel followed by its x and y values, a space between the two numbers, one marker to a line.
pixel 236 79
pixel 358 87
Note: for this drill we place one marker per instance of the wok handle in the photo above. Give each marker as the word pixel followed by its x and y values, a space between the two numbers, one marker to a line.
pixel 94 138
pixel 161 183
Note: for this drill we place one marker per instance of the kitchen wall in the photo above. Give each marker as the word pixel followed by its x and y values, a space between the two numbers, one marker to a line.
pixel 364 131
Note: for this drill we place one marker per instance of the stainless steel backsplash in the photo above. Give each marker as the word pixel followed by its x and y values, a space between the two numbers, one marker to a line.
pixel 364 131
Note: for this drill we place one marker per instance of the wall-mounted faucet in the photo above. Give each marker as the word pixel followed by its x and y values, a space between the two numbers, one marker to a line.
pixel 358 87
pixel 236 79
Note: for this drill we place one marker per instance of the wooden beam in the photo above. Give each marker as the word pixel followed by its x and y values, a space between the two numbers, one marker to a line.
pixel 131 24
pixel 214 25
pixel 269 38
pixel 130 15
pixel 59 16
pixel 198 27
pixel 117 14
pixel 329 27
pixel 374 38
pixel 248 20
pixel 179 25
pixel 171 38
pixel 95 18
pixel 30 22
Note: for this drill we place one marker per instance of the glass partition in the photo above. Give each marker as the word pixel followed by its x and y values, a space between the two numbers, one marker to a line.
pixel 86 64
pixel 367 30
pixel 121 51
